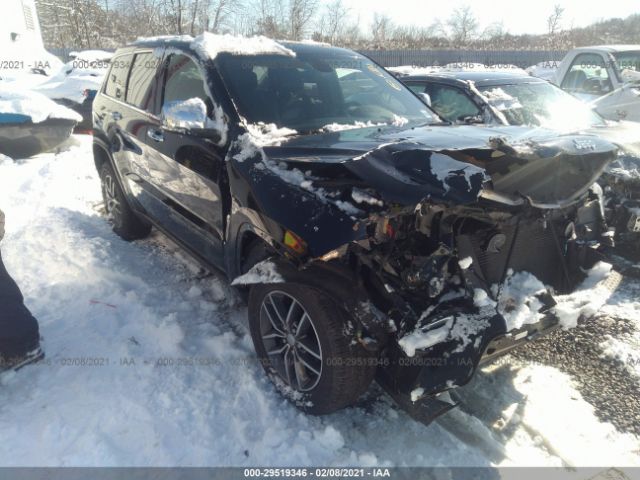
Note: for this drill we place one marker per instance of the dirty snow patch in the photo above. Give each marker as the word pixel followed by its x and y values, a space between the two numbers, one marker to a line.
pixel 588 298
pixel 518 300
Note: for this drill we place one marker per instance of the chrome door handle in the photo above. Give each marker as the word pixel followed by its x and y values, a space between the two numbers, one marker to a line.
pixel 116 116
pixel 155 135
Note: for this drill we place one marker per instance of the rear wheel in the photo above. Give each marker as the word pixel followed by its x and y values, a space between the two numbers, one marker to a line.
pixel 298 334
pixel 124 220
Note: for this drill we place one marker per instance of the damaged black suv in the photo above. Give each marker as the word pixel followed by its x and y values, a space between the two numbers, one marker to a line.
pixel 374 239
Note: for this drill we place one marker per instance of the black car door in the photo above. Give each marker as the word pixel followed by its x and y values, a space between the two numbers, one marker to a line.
pixel 187 169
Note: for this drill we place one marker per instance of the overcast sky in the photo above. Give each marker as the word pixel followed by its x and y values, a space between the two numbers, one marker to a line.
pixel 517 16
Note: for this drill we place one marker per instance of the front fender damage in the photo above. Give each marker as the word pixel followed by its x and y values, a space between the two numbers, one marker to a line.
pixel 425 249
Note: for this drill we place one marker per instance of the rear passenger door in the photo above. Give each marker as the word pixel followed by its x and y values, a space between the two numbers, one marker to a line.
pixel 187 170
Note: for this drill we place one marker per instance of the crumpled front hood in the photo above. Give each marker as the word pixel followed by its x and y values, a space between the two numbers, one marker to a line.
pixel 453 164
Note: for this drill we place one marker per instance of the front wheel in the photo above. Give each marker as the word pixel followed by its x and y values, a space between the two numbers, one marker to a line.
pixel 124 220
pixel 299 335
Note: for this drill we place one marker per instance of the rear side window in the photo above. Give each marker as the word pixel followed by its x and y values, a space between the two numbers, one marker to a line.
pixel 117 77
pixel 141 87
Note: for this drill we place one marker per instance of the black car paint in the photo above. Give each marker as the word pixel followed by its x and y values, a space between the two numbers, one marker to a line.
pixel 193 188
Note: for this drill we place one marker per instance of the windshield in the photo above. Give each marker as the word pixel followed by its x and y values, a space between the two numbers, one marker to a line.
pixel 541 104
pixel 319 92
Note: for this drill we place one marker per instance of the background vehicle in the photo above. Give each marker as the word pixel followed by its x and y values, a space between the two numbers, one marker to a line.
pixel 608 76
pixel 76 83
pixel 30 123
pixel 512 99
pixel 374 237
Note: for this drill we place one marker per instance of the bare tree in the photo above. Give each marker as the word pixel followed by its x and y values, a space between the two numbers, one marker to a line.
pixel 554 21
pixel 333 21
pixel 381 28
pixel 301 13
pixel 463 25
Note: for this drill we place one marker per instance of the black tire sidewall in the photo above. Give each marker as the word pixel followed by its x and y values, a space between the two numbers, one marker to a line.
pixel 340 356
pixel 128 224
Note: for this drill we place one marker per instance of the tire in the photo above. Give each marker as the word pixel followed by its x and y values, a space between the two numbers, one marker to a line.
pixel 344 369
pixel 123 219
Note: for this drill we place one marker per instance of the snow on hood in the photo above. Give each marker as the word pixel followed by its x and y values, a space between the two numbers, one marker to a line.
pixel 261 135
pixel 209 45
pixel 34 105
pixel 397 121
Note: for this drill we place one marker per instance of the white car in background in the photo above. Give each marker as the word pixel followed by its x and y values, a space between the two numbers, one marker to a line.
pixel 608 77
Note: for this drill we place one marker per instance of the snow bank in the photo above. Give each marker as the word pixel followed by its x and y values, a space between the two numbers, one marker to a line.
pixel 209 45
pixel 34 105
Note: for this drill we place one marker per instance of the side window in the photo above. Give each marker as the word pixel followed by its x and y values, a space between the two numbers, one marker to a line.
pixel 141 88
pixel 183 81
pixel 117 77
pixel 588 74
pixel 451 103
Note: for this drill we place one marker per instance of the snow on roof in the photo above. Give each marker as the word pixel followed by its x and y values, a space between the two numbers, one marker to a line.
pixel 164 38
pixel 411 70
pixel 91 55
pixel 209 45
pixel 34 105
pixel 612 48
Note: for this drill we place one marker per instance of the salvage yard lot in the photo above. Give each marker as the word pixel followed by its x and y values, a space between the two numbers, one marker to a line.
pixel 150 363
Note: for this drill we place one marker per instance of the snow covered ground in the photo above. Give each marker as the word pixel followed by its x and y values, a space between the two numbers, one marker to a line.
pixel 150 362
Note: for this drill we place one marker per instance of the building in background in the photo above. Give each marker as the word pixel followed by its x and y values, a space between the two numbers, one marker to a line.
pixel 21 47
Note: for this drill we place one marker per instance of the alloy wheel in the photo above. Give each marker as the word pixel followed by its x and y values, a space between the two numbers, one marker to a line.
pixel 291 341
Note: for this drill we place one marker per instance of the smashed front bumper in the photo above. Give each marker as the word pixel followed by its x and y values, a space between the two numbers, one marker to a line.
pixel 426 365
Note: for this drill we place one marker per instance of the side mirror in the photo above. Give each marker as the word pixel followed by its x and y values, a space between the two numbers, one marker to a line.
pixel 425 97
pixel 189 115
pixel 185 114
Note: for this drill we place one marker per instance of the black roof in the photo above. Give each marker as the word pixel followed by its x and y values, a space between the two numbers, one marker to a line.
pixel 485 78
